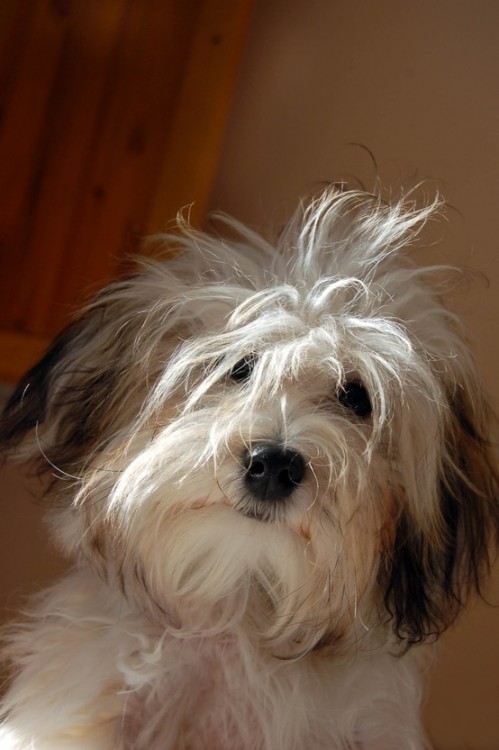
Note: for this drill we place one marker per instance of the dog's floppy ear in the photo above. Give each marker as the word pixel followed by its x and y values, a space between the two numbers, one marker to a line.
pixel 430 575
pixel 58 412
pixel 91 382
pixel 27 406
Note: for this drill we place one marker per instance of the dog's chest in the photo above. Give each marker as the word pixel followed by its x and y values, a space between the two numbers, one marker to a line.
pixel 202 697
pixel 224 693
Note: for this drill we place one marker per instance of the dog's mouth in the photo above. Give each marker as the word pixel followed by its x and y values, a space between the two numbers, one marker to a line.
pixel 267 512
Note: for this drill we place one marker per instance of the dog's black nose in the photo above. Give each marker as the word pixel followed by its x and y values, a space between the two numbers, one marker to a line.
pixel 272 472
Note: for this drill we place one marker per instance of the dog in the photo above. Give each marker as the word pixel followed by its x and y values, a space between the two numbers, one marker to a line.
pixel 271 466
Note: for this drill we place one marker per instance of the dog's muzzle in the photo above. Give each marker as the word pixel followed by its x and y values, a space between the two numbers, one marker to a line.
pixel 272 472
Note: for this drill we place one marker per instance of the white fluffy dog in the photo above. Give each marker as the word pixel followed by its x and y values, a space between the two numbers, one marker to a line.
pixel 271 467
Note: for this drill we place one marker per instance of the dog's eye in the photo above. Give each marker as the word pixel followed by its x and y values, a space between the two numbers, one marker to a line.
pixel 354 396
pixel 243 369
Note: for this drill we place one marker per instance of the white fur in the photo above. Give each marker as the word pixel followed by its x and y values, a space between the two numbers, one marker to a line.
pixel 198 617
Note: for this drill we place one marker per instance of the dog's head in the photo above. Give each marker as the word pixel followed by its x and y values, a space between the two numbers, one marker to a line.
pixel 290 439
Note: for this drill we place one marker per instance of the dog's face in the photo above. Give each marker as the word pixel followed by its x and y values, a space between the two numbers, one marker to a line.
pixel 290 440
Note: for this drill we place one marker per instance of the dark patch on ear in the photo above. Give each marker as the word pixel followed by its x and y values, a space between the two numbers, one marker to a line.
pixel 27 406
pixel 428 580
pixel 65 398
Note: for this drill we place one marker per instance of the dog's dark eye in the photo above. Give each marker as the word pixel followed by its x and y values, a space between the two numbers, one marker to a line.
pixel 354 396
pixel 243 369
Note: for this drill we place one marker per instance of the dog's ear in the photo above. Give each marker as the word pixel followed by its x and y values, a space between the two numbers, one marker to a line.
pixel 62 408
pixel 429 575
pixel 27 406
pixel 91 382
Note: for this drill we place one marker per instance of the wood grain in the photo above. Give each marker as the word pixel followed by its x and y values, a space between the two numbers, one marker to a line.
pixel 112 117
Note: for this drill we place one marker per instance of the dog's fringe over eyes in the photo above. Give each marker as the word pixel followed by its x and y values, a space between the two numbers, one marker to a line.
pixel 272 465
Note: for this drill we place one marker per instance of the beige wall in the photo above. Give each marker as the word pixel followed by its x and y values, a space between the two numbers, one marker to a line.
pixel 418 84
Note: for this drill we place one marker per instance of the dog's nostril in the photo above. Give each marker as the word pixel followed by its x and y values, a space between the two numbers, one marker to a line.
pixel 294 473
pixel 256 469
pixel 272 472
